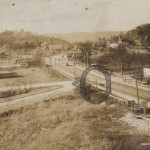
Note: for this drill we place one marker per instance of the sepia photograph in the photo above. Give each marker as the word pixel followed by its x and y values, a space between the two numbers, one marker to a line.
pixel 74 75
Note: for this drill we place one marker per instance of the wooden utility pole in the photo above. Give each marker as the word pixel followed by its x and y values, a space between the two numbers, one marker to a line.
pixel 137 90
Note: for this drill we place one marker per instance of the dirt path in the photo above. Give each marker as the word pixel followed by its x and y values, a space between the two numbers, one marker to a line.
pixel 20 102
pixel 36 85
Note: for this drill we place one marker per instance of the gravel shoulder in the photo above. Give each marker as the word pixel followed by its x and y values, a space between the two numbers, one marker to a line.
pixel 140 122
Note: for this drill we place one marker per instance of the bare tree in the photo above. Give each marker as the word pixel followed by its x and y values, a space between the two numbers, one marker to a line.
pixel 38 57
pixel 129 61
pixel 138 76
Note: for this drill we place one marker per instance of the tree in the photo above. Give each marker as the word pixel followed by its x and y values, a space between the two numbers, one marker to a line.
pixel 103 60
pixel 114 38
pixel 85 51
pixel 129 60
pixel 17 41
pixel 140 33
pixel 142 59
pixel 76 85
pixel 102 42
pixel 38 57
pixel 119 57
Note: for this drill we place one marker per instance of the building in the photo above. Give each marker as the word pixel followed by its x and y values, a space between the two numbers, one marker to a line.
pixel 138 42
pixel 117 41
pixel 112 45
pixel 146 72
pixel 137 50
pixel 146 41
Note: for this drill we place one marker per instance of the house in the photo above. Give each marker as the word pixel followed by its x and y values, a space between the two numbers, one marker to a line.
pixel 117 41
pixel 24 60
pixel 146 41
pixel 146 72
pixel 112 45
pixel 138 42
pixel 46 47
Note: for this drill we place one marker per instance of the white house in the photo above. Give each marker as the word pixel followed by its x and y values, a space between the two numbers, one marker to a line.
pixel 146 72
pixel 112 45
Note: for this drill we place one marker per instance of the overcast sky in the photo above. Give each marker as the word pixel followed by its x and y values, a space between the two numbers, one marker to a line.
pixel 63 16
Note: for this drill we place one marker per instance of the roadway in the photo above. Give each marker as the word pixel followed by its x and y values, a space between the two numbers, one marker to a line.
pixel 119 88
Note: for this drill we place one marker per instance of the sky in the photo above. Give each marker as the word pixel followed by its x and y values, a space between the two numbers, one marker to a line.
pixel 65 16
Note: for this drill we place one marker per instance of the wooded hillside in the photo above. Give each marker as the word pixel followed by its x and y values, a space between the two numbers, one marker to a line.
pixel 25 41
pixel 140 33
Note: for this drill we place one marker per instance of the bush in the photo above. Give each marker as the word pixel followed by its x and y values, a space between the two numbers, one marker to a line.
pixel 5 94
pixel 10 93
pixel 76 85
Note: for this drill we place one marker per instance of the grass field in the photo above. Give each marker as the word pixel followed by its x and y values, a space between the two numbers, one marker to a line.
pixel 24 93
pixel 68 123
pixel 29 75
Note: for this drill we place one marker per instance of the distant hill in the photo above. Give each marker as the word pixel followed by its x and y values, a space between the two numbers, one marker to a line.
pixel 85 36
pixel 141 33
pixel 25 41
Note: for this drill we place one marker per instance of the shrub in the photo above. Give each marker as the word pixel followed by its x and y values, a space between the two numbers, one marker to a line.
pixel 76 85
